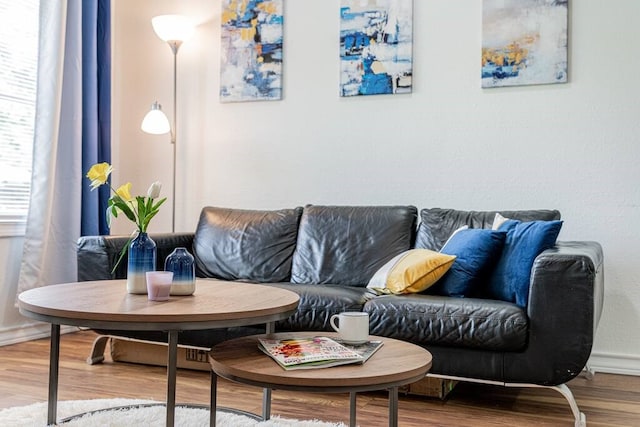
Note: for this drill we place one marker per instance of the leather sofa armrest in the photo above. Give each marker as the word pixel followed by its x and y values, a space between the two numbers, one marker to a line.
pixel 97 255
pixel 565 303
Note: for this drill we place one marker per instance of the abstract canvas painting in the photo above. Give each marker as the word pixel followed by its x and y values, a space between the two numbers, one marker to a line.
pixel 524 42
pixel 251 50
pixel 376 38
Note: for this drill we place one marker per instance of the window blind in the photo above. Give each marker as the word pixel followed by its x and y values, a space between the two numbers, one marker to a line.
pixel 18 78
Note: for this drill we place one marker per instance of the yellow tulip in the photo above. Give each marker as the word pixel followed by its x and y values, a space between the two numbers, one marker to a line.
pixel 98 174
pixel 139 210
pixel 124 192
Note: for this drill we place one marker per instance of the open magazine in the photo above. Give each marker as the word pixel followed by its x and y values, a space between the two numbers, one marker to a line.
pixel 316 352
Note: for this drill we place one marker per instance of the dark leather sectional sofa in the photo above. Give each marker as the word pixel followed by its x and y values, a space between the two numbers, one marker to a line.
pixel 327 254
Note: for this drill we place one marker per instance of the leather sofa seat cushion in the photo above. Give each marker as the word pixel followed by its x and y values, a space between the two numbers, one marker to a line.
pixel 346 245
pixel 437 225
pixel 252 245
pixel 454 322
pixel 319 302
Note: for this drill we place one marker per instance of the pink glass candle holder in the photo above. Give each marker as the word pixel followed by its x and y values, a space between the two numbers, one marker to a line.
pixel 159 285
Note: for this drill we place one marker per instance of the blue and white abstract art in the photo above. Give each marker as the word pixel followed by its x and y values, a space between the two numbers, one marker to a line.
pixel 251 51
pixel 376 38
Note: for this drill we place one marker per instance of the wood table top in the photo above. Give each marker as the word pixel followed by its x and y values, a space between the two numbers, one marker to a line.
pixel 106 303
pixel 395 363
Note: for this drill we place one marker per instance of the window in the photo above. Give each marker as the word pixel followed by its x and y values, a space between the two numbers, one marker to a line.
pixel 18 74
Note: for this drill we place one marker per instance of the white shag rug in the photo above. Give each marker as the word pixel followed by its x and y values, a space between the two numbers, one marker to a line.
pixel 35 415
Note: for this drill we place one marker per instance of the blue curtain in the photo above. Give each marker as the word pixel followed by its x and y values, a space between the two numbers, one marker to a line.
pixel 96 110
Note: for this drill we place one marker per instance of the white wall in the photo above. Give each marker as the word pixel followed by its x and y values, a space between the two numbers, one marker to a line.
pixel 572 147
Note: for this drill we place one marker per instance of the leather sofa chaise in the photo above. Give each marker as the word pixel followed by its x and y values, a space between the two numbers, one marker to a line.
pixel 328 255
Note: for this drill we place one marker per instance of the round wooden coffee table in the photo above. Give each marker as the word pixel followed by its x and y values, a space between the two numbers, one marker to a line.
pixel 105 304
pixel 395 364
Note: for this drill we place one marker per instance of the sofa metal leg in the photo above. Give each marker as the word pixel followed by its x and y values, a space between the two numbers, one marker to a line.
pixel 97 350
pixel 579 417
pixel 589 373
pixel 563 389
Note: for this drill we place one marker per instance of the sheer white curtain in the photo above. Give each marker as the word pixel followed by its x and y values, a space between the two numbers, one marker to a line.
pixel 53 223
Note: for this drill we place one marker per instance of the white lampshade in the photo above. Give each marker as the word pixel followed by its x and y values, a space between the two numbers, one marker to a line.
pixel 155 122
pixel 172 27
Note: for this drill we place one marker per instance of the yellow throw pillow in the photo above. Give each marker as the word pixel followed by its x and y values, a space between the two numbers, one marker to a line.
pixel 411 271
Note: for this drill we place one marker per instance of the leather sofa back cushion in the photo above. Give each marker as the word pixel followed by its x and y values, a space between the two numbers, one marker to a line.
pixel 346 245
pixel 438 224
pixel 235 244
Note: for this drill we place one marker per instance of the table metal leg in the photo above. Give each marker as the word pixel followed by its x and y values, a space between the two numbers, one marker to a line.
pixel 266 404
pixel 393 407
pixel 171 377
pixel 213 404
pixel 352 409
pixel 270 328
pixel 54 362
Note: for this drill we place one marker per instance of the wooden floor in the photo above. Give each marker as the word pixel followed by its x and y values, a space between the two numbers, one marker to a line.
pixel 607 400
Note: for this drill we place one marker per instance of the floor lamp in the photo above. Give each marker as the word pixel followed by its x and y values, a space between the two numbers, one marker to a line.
pixel 173 29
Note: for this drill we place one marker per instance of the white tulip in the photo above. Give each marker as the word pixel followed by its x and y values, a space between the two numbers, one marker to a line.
pixel 154 190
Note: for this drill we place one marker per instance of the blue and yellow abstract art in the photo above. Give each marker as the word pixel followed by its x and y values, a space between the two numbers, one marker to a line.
pixel 524 42
pixel 251 51
pixel 376 38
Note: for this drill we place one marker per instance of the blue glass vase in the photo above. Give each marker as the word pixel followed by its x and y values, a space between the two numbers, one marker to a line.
pixel 142 258
pixel 180 262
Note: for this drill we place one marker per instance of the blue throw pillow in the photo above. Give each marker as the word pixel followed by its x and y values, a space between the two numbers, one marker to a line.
pixel 525 241
pixel 477 251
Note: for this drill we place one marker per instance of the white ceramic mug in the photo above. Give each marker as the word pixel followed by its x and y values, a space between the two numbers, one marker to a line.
pixel 352 327
pixel 159 285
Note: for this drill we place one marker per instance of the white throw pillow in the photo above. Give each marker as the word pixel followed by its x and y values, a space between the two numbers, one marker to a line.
pixel 498 220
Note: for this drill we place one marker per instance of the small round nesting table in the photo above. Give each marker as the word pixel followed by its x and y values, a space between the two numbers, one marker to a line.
pixel 395 364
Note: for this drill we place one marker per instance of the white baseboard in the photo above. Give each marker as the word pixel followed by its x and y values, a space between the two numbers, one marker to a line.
pixel 615 363
pixel 30 331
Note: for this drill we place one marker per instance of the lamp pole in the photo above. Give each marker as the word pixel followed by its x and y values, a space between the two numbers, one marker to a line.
pixel 173 29
pixel 175 45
